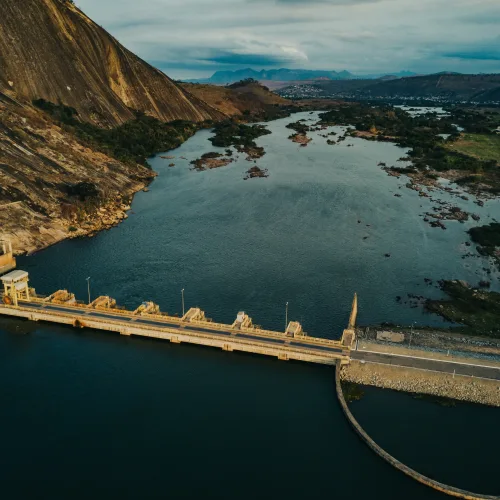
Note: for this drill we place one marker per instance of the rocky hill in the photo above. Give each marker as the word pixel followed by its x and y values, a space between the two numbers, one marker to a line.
pixel 52 185
pixel 79 114
pixel 449 87
pixel 63 170
pixel 246 97
pixel 49 49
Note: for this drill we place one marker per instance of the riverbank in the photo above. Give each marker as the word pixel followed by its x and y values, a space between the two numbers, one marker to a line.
pixel 416 381
pixel 30 232
pixel 53 185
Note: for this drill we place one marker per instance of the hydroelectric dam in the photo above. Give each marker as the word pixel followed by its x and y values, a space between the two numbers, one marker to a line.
pixel 19 300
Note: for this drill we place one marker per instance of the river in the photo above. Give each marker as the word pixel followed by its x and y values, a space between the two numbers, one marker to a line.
pixel 100 415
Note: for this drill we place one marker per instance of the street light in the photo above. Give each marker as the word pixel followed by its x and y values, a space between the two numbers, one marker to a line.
pixel 411 332
pixel 286 316
pixel 182 294
pixel 88 287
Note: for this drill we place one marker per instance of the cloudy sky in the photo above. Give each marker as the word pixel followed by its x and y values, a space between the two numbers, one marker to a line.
pixel 194 38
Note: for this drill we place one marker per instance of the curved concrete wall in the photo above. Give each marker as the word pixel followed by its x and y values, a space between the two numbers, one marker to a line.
pixel 449 490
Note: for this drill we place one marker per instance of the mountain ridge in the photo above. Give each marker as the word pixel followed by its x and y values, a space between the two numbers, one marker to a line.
pixel 286 75
pixel 445 85
pixel 442 86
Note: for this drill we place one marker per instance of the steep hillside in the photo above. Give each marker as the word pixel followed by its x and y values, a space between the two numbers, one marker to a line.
pixel 49 49
pixel 237 99
pixel 451 86
pixel 51 185
pixel 443 86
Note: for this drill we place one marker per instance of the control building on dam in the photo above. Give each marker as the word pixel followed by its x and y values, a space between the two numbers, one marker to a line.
pixel 19 300
pixel 7 260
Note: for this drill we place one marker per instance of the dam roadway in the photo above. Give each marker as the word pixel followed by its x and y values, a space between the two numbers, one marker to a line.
pixel 466 368
pixel 177 330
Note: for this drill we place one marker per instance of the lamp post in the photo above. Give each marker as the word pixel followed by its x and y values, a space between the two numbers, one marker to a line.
pixel 411 333
pixel 182 295
pixel 88 287
pixel 286 316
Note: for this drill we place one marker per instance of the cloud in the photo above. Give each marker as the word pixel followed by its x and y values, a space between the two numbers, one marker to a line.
pixel 234 58
pixel 188 38
pixel 331 2
pixel 486 17
pixel 475 55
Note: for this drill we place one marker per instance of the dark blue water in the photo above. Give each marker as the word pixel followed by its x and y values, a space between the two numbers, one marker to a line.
pixel 93 414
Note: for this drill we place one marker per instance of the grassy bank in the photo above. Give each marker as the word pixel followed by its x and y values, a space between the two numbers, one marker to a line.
pixel 481 146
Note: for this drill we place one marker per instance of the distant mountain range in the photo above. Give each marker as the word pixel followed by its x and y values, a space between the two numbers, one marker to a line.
pixel 287 75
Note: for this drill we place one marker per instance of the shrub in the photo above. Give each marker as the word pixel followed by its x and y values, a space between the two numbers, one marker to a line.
pixel 132 142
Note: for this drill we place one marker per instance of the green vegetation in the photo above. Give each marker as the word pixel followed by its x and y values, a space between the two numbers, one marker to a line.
pixel 475 120
pixel 477 309
pixel 385 122
pixel 486 236
pixel 272 112
pixel 83 190
pixel 200 163
pixel 210 155
pixel 132 142
pixel 299 127
pixel 352 392
pixel 231 133
pixel 488 239
pixel 243 83
pixel 482 146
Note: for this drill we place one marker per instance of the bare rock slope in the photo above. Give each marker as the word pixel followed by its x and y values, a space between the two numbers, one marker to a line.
pixel 50 49
pixel 52 186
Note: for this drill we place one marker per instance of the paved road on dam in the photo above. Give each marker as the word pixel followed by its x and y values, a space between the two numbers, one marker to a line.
pixel 182 327
pixel 469 369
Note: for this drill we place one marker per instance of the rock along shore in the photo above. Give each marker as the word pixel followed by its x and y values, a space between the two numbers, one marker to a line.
pixel 412 380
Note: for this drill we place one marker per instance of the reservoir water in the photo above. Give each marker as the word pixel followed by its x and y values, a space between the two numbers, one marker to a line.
pixel 99 415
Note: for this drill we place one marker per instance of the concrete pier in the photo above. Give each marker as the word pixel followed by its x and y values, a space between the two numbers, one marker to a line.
pixel 191 329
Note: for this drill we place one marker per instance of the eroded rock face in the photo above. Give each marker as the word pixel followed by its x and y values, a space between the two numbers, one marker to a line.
pixel 49 49
pixel 53 187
